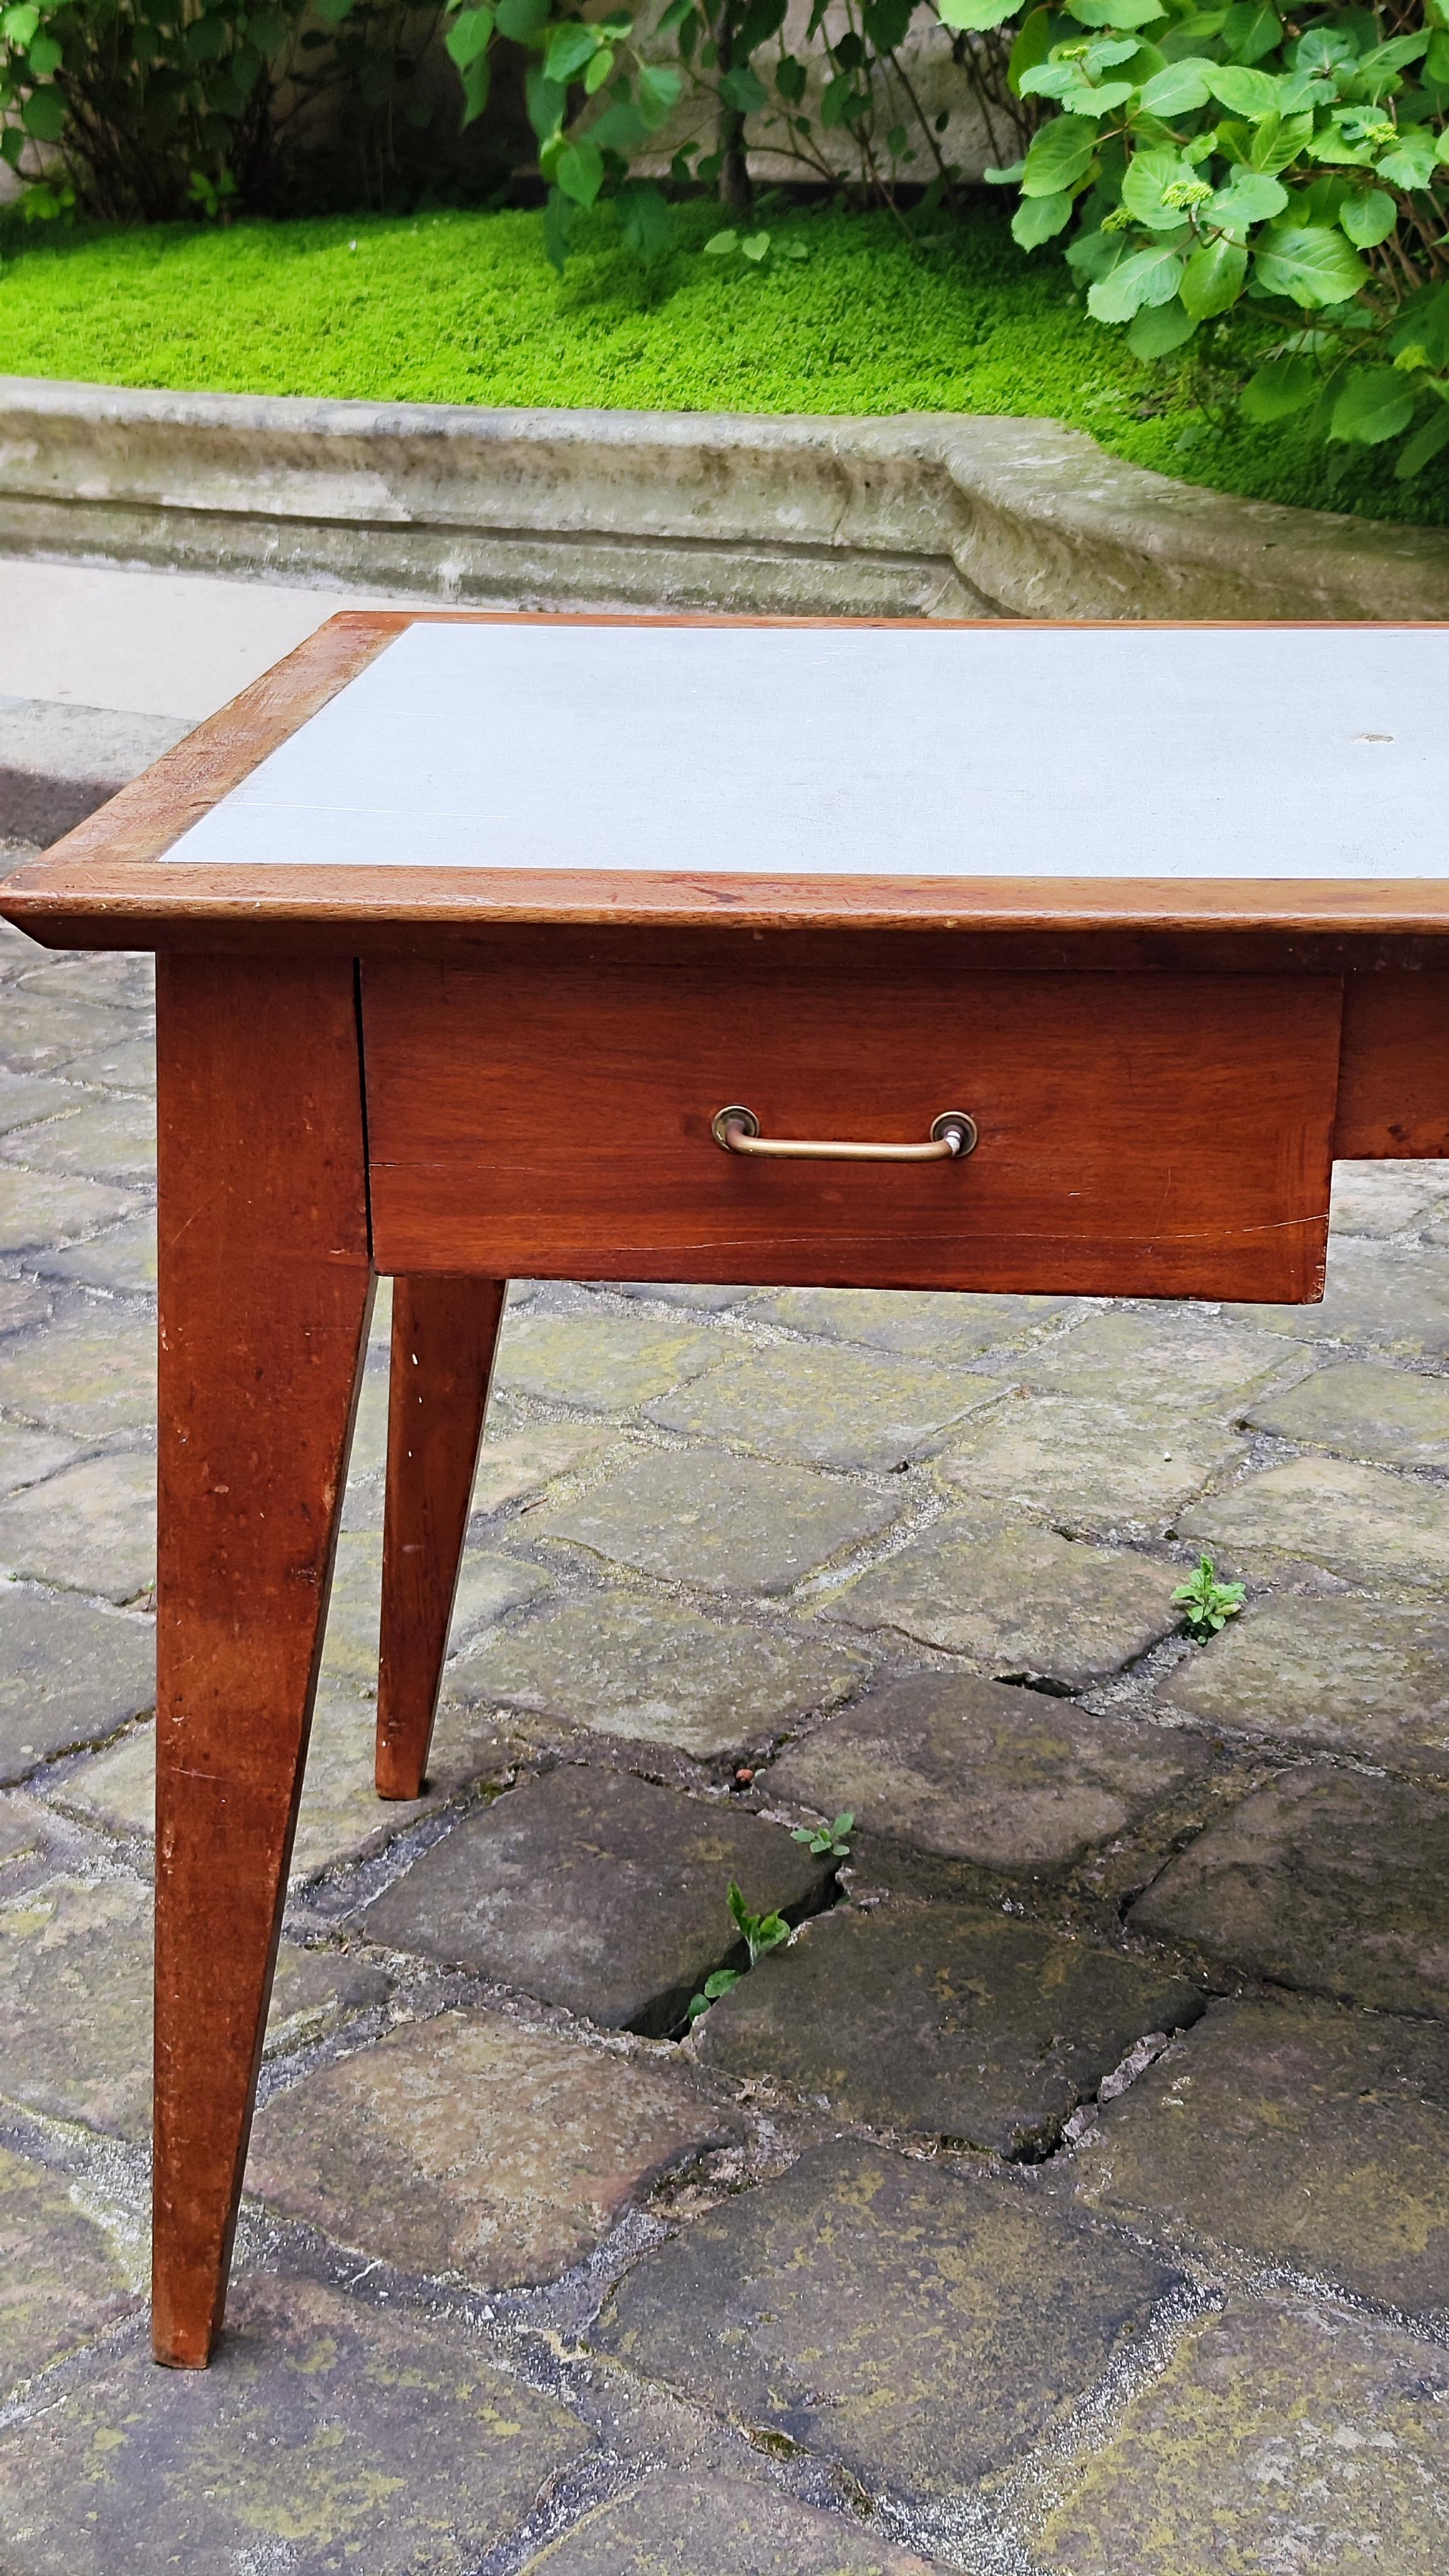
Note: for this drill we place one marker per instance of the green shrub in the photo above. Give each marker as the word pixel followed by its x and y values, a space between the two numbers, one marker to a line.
pixel 155 108
pixel 1267 195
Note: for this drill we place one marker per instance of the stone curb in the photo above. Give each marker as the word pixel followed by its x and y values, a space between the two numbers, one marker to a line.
pixel 928 514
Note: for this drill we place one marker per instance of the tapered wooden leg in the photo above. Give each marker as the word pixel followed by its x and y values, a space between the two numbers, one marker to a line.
pixel 444 1334
pixel 265 1289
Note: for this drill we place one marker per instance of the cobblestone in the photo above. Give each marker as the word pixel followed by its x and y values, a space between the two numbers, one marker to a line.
pixel 1381 1199
pixel 1097 1468
pixel 1279 2438
pixel 1310 2137
pixel 920 2327
pixel 28 1096
pixel 913 1324
pixel 488 1585
pixel 961 2025
pixel 66 2280
pixel 602 1893
pixel 75 2000
pixel 1386 1300
pixel 298 2449
pixel 110 1139
pixel 27 1455
pixel 1356 1521
pixel 1019 1600
pixel 645 1670
pixel 69 1675
pixel 827 1408
pixel 91 1372
pixel 1363 1410
pixel 39 1210
pixel 718 2527
pixel 92 1528
pixel 1010 1779
pixel 468 2146
pixel 341 1817
pixel 1173 1356
pixel 727 1524
pixel 1324 1879
pixel 1352 1676
pixel 602 1362
pixel 122 1259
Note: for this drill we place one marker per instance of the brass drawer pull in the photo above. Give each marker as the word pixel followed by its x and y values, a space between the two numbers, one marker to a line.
pixel 953 1134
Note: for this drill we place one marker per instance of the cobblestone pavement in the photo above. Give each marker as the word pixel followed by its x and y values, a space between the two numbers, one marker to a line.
pixel 1069 2198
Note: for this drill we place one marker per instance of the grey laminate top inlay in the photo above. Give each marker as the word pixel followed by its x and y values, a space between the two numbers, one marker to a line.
pixel 1001 751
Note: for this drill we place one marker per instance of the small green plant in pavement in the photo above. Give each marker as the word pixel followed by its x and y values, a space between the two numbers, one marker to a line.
pixel 760 1933
pixel 833 1839
pixel 1208 1604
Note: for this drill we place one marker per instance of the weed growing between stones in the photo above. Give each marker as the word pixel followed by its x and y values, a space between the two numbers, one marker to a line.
pixel 832 1838
pixel 760 1934
pixel 1208 1603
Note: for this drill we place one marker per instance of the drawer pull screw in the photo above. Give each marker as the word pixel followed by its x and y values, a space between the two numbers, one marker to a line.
pixel 953 1135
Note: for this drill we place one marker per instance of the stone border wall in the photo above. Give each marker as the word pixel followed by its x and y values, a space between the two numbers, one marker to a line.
pixel 927 514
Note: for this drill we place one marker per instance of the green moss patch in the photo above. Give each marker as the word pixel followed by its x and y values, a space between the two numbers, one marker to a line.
pixel 463 307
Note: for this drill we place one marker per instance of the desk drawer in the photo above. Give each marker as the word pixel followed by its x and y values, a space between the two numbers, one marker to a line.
pixel 547 1113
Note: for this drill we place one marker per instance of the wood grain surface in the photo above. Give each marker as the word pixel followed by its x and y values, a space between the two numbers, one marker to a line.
pixel 444 1335
pixel 1152 1135
pixel 265 1290
pixel 1393 1094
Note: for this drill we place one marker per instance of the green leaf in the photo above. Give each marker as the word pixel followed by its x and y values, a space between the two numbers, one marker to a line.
pixel 1144 277
pixel 579 171
pixel 976 17
pixel 1178 90
pixel 18 26
pixel 1213 278
pixel 597 72
pixel 469 36
pixel 45 57
pixel 621 128
pixel 1269 146
pixel 1411 163
pixel 754 246
pixel 1376 404
pixel 1423 447
pixel 1243 92
pixel 568 50
pixel 1309 263
pixel 1158 329
pixel 1250 197
pixel 477 86
pixel 43 115
pixel 1061 153
pixel 645 221
pixel 790 80
pixel 1031 47
pixel 1158 187
pixel 1116 13
pixel 1251 29
pixel 658 92
pixel 1369 219
pixel 1284 385
pixel 743 90
pixel 522 20
pixel 719 245
pixel 1037 219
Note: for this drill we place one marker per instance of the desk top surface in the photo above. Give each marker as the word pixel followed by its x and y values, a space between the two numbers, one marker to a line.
pixel 553 768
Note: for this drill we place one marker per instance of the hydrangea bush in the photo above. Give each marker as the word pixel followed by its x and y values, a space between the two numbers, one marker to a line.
pixel 1275 189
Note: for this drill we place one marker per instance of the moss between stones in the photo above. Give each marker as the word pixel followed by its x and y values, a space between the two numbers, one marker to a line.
pixel 463 307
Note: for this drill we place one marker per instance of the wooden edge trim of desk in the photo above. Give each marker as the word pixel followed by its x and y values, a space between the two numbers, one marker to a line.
pixel 102 885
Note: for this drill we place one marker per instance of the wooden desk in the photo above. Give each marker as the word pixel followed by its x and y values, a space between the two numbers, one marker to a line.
pixel 469 930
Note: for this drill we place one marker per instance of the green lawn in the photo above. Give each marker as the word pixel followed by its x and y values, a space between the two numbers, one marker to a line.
pixel 463 307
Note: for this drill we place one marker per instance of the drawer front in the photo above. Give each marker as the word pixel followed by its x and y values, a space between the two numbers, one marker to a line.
pixel 1140 1134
